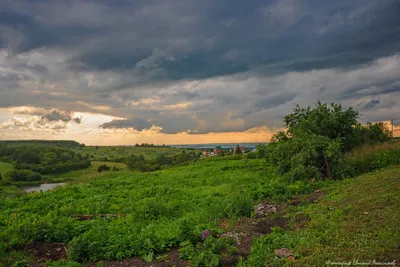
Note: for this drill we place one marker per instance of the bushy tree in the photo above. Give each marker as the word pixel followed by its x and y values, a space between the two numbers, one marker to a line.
pixel 238 150
pixel 315 139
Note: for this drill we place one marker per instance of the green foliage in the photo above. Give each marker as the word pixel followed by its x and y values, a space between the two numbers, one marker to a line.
pixel 238 150
pixel 41 157
pixel 63 263
pixel 122 153
pixel 372 157
pixel 207 253
pixel 139 163
pixel 58 143
pixel 313 146
pixel 23 175
pixel 20 264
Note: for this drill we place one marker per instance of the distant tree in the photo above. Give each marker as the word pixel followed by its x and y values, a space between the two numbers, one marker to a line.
pixel 103 168
pixel 78 157
pixel 50 158
pixel 238 150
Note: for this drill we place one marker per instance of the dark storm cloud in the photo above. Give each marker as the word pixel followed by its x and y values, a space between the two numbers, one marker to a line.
pixel 171 40
pixel 198 66
pixel 135 123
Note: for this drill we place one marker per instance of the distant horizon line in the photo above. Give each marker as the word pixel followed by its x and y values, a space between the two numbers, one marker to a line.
pixel 155 144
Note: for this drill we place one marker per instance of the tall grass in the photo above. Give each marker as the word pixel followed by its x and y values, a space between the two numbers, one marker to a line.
pixel 372 157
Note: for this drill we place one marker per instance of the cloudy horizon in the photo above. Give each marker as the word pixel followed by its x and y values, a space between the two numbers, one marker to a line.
pixel 185 72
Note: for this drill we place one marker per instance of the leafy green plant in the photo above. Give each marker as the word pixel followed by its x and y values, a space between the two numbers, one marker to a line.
pixel 207 253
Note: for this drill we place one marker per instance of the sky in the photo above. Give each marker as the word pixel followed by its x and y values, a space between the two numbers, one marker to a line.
pixel 191 71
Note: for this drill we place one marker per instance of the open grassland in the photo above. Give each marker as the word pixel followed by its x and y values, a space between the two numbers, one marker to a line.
pixel 88 174
pixel 116 152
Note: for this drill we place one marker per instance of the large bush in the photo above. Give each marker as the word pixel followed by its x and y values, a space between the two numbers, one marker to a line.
pixel 316 138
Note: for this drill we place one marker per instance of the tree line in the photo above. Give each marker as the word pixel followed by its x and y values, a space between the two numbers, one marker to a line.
pixel 33 159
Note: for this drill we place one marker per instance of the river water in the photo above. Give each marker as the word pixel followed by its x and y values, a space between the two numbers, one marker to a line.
pixel 42 187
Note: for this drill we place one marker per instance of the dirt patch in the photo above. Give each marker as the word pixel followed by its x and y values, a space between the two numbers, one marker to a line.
pixel 265 226
pixel 168 259
pixel 244 231
pixel 42 251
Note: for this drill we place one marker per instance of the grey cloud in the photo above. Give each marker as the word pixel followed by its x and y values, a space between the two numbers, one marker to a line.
pixel 63 116
pixel 166 45
pixel 135 123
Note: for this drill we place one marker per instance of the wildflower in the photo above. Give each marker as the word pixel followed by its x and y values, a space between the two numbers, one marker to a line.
pixel 205 234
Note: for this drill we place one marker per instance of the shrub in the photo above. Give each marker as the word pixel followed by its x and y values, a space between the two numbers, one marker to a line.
pixel 103 168
pixel 34 176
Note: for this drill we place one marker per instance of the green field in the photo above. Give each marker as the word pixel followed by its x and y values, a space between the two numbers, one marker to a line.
pixel 115 152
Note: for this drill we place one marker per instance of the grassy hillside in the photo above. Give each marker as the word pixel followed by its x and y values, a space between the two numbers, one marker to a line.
pixel 355 219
